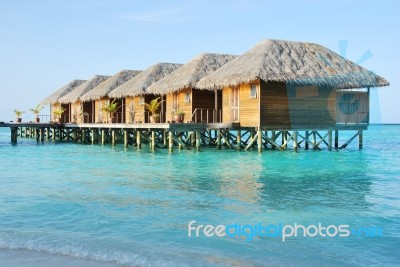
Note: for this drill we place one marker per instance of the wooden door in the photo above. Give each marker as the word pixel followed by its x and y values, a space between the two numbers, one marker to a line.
pixel 234 104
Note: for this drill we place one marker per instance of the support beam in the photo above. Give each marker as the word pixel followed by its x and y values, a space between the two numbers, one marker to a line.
pixel 113 137
pixel 125 138
pixel 14 135
pixel 295 144
pixel 103 137
pixel 239 140
pixel 336 139
pixel 170 142
pixel 259 141
pixel 198 140
pixel 360 139
pixel 153 140
pixel 138 141
pixel 330 139
pixel 219 139
pixel 307 140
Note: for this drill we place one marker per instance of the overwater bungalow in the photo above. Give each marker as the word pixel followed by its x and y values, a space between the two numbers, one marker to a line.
pixel 100 96
pixel 292 85
pixel 82 112
pixel 134 91
pixel 182 94
pixel 52 99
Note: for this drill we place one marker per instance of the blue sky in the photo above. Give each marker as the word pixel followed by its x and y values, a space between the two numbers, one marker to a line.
pixel 47 43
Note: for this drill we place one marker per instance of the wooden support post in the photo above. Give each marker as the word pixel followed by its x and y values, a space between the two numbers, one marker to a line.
pixel 307 140
pixel 360 139
pixel 113 137
pixel 198 140
pixel 125 138
pixel 295 144
pixel 42 135
pixel 180 139
pixel 336 138
pixel 153 140
pixel 92 137
pixel 239 140
pixel 219 139
pixel 170 142
pixel 314 139
pixel 273 137
pixel 138 142
pixel 83 134
pixel 37 134
pixel 330 139
pixel 259 141
pixel 284 139
pixel 14 135
pixel 165 138
pixel 103 136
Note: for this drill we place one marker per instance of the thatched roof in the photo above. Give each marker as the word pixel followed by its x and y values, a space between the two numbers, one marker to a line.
pixel 53 98
pixel 190 73
pixel 295 63
pixel 85 87
pixel 142 81
pixel 104 88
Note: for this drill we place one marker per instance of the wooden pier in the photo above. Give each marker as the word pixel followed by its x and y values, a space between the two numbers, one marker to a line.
pixel 188 135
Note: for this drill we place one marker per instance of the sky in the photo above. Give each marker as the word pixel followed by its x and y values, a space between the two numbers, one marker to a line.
pixel 47 43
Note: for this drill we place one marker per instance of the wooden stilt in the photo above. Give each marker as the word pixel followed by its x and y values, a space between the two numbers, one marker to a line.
pixel 125 138
pixel 165 138
pixel 259 141
pixel 42 135
pixel 360 139
pixel 170 142
pixel 219 139
pixel 113 137
pixel 14 135
pixel 198 140
pixel 295 144
pixel 330 139
pixel 153 140
pixel 306 140
pixel 138 141
pixel 336 138
pixel 180 141
pixel 239 140
pixel 314 139
pixel 284 139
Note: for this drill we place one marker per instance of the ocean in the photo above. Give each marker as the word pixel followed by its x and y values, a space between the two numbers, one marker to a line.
pixel 66 204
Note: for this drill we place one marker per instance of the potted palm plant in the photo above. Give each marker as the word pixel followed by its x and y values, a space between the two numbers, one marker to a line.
pixel 18 113
pixel 153 107
pixel 111 109
pixel 178 115
pixel 36 111
pixel 58 114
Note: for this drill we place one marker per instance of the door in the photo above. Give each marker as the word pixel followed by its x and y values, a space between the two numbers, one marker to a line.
pixel 234 104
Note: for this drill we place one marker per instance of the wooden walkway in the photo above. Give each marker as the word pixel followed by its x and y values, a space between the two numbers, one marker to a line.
pixel 189 135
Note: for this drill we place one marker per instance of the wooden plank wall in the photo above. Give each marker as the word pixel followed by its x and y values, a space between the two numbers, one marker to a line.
pixel 311 106
pixel 249 108
pixel 352 107
pixel 274 107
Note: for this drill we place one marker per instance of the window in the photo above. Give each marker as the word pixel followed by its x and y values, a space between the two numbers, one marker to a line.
pixel 187 97
pixel 253 91
pixel 141 100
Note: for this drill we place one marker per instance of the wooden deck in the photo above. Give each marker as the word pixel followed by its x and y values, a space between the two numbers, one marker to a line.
pixel 190 135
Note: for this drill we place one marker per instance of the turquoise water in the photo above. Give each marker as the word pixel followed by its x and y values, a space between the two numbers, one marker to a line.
pixel 111 206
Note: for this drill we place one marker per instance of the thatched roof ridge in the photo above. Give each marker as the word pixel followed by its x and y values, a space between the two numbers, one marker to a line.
pixel 85 87
pixel 142 81
pixel 190 73
pixel 292 62
pixel 53 98
pixel 104 88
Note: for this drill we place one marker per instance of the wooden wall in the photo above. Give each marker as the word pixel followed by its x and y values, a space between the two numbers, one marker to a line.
pixel 352 107
pixel 311 106
pixel 249 108
pixel 182 105
pixel 274 106
pixel 100 115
